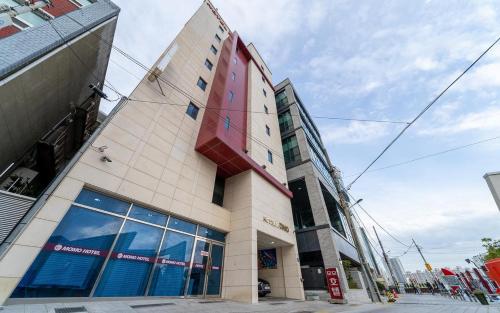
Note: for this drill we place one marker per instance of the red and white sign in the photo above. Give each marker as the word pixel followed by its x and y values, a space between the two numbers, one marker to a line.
pixel 172 262
pixel 332 277
pixel 204 253
pixel 74 250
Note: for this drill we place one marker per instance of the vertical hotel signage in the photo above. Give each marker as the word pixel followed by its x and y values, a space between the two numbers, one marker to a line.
pixel 332 277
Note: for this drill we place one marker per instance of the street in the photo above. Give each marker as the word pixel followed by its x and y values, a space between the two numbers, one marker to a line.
pixel 406 304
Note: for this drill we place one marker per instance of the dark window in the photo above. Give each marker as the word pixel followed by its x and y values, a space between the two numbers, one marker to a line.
pixel 146 215
pixel 169 278
pixel 211 234
pixel 262 67
pixel 264 92
pixel 291 151
pixel 202 83
pixel 263 79
pixel 285 120
pixel 268 130
pixel 269 156
pixel 177 224
pixel 230 96
pixel 301 207
pixel 100 201
pixel 227 122
pixel 192 110
pixel 235 60
pixel 208 64
pixel 217 37
pixel 335 213
pixel 266 109
pixel 281 99
pixel 233 76
pixel 221 29
pixel 219 186
pixel 213 49
pixel 59 270
pixel 132 258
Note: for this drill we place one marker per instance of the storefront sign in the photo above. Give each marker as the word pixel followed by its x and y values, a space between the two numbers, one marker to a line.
pixel 332 277
pixel 74 250
pixel 204 253
pixel 277 224
pixel 132 257
pixel 172 262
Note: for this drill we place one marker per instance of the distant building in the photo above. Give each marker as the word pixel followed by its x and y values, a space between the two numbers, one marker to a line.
pixel 49 55
pixel 398 270
pixel 493 181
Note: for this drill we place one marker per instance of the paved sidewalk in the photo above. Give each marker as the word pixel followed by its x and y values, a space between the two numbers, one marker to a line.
pixel 406 304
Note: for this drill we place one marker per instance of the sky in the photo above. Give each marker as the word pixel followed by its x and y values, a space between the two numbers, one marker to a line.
pixel 373 60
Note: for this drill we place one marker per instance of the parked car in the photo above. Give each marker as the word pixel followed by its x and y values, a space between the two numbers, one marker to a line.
pixel 263 287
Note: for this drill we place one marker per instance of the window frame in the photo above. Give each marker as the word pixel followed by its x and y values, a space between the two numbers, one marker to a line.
pixel 214 49
pixel 269 156
pixel 203 82
pixel 268 130
pixel 219 40
pixel 192 108
pixel 208 64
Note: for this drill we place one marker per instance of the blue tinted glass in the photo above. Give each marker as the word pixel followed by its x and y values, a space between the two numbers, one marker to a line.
pixel 173 265
pixel 181 225
pixel 211 234
pixel 215 274
pixel 127 271
pixel 198 270
pixel 70 261
pixel 146 215
pixel 100 201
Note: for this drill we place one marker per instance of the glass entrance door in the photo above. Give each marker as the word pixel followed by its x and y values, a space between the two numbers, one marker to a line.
pixel 206 269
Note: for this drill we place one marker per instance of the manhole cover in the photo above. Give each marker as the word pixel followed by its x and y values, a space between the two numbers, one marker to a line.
pixel 76 309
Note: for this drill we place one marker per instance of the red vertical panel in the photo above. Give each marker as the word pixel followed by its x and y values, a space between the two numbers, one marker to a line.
pixel 60 7
pixel 8 30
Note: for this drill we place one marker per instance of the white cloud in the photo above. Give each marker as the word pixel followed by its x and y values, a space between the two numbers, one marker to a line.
pixel 354 133
pixel 486 120
pixel 426 64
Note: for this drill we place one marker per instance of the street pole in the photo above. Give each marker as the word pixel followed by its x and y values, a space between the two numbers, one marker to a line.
pixel 427 265
pixel 372 286
pixel 389 267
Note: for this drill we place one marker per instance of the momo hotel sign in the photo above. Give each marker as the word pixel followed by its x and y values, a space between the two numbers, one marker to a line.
pixel 277 224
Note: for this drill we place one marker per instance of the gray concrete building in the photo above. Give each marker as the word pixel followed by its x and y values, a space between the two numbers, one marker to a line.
pixel 493 181
pixel 324 239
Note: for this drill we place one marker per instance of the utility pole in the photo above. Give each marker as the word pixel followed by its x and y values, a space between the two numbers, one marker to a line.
pixel 372 286
pixel 389 267
pixel 427 265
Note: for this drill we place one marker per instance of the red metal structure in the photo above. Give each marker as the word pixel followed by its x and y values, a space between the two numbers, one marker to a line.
pixel 223 133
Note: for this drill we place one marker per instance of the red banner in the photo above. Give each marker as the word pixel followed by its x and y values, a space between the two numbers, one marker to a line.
pixel 332 277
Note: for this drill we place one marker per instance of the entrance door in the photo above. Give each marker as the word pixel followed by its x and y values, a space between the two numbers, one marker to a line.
pixel 206 270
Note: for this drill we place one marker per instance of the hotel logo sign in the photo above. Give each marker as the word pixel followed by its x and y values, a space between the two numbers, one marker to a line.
pixel 277 224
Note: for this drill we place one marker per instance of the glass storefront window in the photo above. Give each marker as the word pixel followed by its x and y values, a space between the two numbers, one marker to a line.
pixel 170 274
pixel 100 201
pixel 199 266
pixel 211 234
pixel 69 263
pixel 149 216
pixel 132 258
pixel 215 270
pixel 177 224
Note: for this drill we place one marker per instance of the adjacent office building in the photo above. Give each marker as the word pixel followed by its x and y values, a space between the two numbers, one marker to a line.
pixel 181 192
pixel 47 109
pixel 493 181
pixel 324 238
pixel 398 270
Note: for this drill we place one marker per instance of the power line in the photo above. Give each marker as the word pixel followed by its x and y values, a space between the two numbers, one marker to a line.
pixel 423 111
pixel 432 155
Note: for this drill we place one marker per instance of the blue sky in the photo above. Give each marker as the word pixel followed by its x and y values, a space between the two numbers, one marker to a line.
pixel 373 60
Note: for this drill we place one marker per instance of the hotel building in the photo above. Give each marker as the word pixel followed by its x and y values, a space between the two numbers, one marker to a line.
pixel 181 192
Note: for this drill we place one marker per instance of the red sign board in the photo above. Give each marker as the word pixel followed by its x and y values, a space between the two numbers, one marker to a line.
pixel 332 277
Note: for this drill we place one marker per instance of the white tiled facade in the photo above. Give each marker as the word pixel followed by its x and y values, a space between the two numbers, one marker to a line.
pixel 151 145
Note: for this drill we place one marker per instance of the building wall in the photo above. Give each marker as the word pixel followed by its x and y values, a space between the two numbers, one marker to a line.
pixel 151 143
pixel 493 181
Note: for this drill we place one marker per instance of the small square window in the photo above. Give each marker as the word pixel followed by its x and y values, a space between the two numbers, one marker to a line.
pixel 192 110
pixel 266 110
pixel 227 122
pixel 221 29
pixel 235 60
pixel 269 156
pixel 264 92
pixel 217 37
pixel 263 79
pixel 208 64
pixel 202 83
pixel 230 96
pixel 268 130
pixel 233 76
pixel 213 49
pixel 262 67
